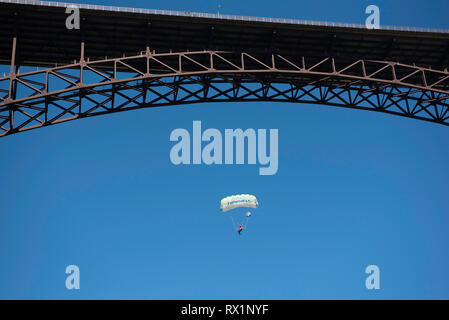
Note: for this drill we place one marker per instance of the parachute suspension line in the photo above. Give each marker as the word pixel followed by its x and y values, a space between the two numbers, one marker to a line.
pixel 232 219
pixel 246 224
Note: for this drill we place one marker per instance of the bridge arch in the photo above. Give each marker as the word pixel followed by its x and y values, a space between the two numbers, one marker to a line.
pixel 88 88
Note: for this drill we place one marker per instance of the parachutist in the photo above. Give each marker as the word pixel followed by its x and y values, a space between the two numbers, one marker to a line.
pixel 234 203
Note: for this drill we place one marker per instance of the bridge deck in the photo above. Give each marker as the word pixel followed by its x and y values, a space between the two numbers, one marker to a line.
pixel 112 32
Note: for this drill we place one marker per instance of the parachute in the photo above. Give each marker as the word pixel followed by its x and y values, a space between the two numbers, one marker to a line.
pixel 234 204
pixel 240 200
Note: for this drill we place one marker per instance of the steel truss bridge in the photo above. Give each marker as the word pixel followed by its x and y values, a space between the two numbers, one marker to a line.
pixel 123 59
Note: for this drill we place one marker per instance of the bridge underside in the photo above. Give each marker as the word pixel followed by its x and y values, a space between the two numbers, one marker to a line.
pixel 228 62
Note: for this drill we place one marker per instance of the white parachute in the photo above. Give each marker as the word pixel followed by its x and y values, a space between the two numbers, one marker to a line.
pixel 238 216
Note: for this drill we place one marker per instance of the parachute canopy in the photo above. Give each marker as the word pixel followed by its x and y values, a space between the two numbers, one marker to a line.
pixel 237 201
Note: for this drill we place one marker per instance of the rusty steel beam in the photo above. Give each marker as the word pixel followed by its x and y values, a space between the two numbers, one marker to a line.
pixel 87 88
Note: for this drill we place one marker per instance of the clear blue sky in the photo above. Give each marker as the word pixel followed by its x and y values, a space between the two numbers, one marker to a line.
pixel 353 188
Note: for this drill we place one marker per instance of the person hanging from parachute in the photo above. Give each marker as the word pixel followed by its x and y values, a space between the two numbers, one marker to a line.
pixel 239 201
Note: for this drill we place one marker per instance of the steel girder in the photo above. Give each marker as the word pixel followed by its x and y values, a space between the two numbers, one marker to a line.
pixel 87 88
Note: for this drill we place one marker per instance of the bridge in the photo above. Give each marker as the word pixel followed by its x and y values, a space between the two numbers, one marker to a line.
pixel 125 58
